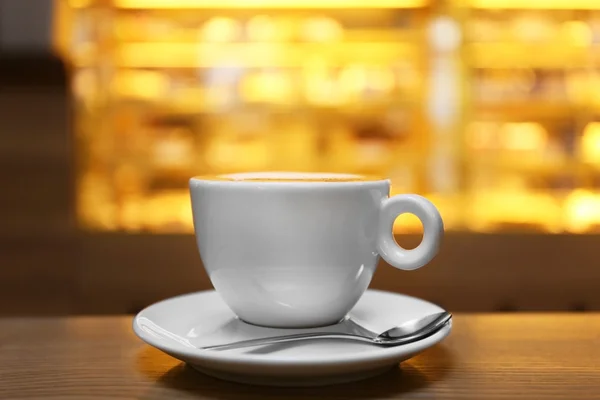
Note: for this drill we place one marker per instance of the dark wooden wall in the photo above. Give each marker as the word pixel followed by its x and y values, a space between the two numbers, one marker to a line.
pixel 48 267
pixel 495 272
pixel 37 238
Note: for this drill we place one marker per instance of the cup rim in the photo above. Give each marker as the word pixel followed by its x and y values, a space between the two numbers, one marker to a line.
pixel 289 178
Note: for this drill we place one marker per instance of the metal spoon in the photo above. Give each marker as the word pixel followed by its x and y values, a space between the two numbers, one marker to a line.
pixel 408 332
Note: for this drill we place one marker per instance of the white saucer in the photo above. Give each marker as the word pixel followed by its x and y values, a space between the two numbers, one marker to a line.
pixel 179 325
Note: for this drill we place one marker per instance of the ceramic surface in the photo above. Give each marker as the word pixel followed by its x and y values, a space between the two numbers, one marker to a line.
pixel 301 253
pixel 178 326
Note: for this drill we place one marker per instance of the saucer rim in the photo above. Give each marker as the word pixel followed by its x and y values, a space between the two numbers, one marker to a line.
pixel 192 354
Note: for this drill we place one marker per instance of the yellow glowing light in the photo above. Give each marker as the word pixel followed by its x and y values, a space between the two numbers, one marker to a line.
pixel 140 84
pixel 261 28
pixel 352 80
pixel 518 206
pixel 381 79
pixel 518 54
pixel 221 29
pixel 233 152
pixel 319 85
pixel 533 28
pixel 582 209
pixel 166 211
pixel 182 54
pixel 536 4
pixel 322 29
pixel 265 86
pixel 578 33
pixel 174 149
pixel 523 136
pixel 298 4
pixel 407 223
pixel 590 143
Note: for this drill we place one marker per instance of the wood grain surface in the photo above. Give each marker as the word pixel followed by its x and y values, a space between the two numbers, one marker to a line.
pixel 487 356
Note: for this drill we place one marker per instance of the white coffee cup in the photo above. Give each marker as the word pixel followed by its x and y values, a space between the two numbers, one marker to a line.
pixel 295 250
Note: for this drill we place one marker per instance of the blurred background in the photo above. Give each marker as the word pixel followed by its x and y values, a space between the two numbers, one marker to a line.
pixel 490 108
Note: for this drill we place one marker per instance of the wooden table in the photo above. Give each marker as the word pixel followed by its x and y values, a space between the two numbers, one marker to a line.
pixel 502 356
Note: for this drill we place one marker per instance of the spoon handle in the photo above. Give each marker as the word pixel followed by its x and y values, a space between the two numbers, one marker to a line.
pixel 287 338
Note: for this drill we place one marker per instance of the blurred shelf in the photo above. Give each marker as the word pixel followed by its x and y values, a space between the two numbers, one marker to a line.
pixel 519 55
pixel 248 55
pixel 363 97
pixel 169 212
pixel 532 4
pixel 483 211
pixel 252 55
pixel 526 162
pixel 550 211
pixel 133 33
pixel 532 109
pixel 200 109
pixel 262 4
pixel 496 210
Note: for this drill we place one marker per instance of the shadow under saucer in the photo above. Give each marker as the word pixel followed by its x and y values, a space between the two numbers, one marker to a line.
pixel 407 377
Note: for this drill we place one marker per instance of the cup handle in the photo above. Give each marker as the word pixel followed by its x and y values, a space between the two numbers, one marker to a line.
pixel 433 229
